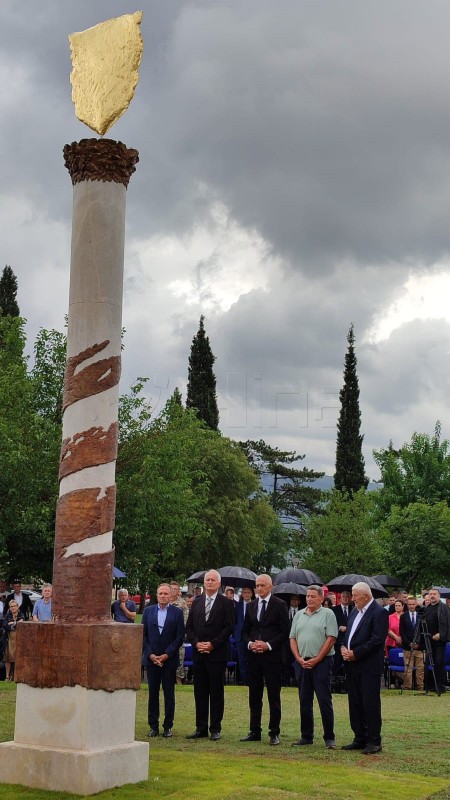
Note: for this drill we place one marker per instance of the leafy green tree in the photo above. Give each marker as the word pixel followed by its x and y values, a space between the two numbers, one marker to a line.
pixel 47 375
pixel 349 475
pixel 416 543
pixel 187 498
pixel 344 539
pixel 238 515
pixel 157 520
pixel 417 473
pixel 29 455
pixel 201 389
pixel 8 294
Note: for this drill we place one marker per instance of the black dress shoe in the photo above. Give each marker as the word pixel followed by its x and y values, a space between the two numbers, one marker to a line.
pixel 215 736
pixel 353 746
pixel 197 735
pixel 167 734
pixel 251 737
pixel 273 740
pixel 153 732
pixel 371 749
pixel 301 742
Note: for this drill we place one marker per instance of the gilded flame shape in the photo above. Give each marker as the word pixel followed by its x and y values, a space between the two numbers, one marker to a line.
pixel 105 63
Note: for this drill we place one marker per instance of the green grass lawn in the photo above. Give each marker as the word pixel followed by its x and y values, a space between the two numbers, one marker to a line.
pixel 414 764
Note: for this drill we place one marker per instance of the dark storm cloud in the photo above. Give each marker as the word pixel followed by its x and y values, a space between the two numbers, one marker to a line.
pixel 323 126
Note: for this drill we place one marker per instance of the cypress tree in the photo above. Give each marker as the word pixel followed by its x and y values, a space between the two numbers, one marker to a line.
pixel 349 476
pixel 8 292
pixel 201 389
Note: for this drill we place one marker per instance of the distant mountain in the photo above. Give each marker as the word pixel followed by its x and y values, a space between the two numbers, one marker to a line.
pixel 326 483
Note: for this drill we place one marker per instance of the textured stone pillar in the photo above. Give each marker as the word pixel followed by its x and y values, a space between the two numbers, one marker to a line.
pixel 78 675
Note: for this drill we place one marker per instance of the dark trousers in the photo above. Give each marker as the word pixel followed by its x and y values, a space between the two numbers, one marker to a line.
pixel 164 676
pixel 261 671
pixel 438 653
pixel 364 705
pixel 209 695
pixel 241 652
pixel 316 681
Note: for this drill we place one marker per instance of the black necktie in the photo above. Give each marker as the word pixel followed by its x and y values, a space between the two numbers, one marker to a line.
pixel 413 619
pixel 345 611
pixel 263 611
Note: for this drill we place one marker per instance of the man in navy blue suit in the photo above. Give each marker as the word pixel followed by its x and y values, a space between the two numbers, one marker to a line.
pixel 163 636
pixel 240 607
pixel 363 654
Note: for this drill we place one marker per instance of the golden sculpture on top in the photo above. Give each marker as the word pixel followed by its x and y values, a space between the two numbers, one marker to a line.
pixel 105 63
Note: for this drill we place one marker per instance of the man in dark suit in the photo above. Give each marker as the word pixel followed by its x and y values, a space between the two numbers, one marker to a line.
pixel 240 607
pixel 342 613
pixel 163 636
pixel 412 645
pixel 363 654
pixel 209 627
pixel 265 632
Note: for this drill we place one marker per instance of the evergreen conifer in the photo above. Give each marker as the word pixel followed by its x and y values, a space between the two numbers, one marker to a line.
pixel 349 476
pixel 8 293
pixel 201 389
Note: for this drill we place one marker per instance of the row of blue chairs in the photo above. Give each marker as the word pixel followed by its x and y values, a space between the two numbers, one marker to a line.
pixel 231 669
pixel 397 662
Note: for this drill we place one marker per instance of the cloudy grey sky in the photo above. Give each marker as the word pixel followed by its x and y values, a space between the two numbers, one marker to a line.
pixel 294 178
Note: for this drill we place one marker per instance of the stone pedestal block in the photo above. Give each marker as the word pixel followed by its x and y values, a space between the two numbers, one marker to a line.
pixel 94 655
pixel 78 772
pixel 74 739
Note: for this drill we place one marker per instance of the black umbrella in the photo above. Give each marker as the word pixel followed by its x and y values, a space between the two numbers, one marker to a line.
pixel 292 575
pixel 288 589
pixel 345 583
pixel 197 576
pixel 444 591
pixel 388 580
pixel 237 576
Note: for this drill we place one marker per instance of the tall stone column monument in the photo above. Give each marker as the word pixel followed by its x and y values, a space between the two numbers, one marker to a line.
pixel 78 675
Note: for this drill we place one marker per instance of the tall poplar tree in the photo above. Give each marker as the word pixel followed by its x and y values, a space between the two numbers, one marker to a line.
pixel 349 476
pixel 8 293
pixel 201 388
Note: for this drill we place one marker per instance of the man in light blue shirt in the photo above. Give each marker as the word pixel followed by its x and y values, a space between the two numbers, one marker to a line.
pixel 42 611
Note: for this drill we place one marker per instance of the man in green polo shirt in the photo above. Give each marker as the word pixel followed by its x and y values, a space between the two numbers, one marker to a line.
pixel 313 633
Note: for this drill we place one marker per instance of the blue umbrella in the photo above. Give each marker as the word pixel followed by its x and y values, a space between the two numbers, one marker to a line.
pixel 117 573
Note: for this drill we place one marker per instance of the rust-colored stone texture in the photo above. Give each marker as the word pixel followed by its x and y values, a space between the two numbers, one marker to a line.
pixel 93 379
pixel 95 656
pixel 82 514
pixel 88 449
pixel 82 588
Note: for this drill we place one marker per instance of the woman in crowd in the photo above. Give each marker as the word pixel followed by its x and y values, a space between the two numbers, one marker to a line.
pixel 12 617
pixel 393 638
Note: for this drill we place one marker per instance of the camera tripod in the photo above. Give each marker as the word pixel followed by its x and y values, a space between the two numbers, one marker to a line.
pixel 421 633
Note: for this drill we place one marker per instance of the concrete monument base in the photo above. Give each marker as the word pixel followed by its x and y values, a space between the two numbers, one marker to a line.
pixel 78 772
pixel 74 739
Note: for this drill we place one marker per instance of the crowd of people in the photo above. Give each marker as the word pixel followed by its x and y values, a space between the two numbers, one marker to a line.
pixel 314 639
pixel 325 638
pixel 16 606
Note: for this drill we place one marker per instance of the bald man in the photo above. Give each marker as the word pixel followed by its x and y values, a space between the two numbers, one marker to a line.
pixel 265 632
